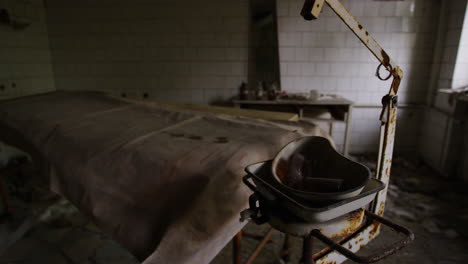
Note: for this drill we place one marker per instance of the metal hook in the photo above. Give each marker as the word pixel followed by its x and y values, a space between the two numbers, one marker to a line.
pixel 377 73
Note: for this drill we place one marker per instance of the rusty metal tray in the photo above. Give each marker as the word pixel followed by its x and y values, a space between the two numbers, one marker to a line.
pixel 312 212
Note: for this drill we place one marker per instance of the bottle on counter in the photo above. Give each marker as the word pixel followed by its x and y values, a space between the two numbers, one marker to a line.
pixel 243 91
pixel 272 91
pixel 259 91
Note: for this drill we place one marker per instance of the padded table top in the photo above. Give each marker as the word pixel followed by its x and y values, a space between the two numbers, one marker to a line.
pixel 165 184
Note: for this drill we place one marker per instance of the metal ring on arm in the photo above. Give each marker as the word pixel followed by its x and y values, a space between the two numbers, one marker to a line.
pixel 377 73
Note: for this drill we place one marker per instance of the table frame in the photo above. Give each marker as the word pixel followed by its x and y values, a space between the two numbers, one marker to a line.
pixel 299 106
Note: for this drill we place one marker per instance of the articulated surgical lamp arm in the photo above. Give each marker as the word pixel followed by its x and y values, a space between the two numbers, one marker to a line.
pixel 312 10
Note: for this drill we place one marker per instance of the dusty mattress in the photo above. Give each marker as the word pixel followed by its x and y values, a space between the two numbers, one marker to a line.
pixel 165 184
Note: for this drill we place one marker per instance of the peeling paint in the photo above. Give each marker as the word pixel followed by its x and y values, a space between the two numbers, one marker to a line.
pixel 386 58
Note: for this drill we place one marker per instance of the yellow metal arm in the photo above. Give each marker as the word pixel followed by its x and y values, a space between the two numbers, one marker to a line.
pixel 312 10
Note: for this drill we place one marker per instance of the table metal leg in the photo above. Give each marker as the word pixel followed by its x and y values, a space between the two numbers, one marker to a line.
pixel 4 196
pixel 347 130
pixel 330 130
pixel 286 250
pixel 236 248
pixel 307 254
pixel 260 246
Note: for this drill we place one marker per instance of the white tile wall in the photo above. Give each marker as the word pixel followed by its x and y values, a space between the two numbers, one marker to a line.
pixel 453 20
pixel 432 149
pixel 324 55
pixel 182 51
pixel 25 63
pixel 200 54
pixel 436 126
pixel 460 76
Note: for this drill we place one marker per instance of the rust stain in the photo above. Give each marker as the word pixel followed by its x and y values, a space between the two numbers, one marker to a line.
pixel 396 83
pixel 375 229
pixel 323 254
pixel 355 217
pixel 350 246
pixel 393 118
pixel 359 241
pixel 354 222
pixel 386 58
pixel 381 209
pixel 281 170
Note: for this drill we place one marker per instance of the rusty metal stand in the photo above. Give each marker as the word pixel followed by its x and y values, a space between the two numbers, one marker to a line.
pixel 285 251
pixel 260 246
pixel 346 249
pixel 236 248
pixel 307 246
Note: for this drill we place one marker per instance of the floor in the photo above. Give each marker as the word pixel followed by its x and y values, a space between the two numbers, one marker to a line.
pixel 434 208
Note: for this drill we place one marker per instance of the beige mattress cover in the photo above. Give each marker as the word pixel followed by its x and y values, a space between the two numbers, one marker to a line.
pixel 165 184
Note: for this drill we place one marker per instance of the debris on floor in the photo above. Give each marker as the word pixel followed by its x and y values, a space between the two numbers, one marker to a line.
pixel 435 208
pixel 45 228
